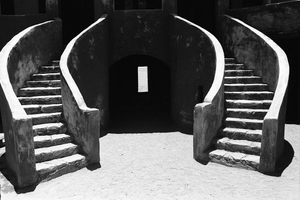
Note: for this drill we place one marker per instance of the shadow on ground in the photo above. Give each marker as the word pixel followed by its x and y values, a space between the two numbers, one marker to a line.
pixel 8 174
pixel 285 160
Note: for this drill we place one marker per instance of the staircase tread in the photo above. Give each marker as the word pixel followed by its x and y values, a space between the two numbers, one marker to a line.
pixel 50 66
pixel 42 81
pixel 245 84
pixel 47 74
pixel 241 130
pixel 244 120
pixel 50 137
pixel 248 101
pixel 248 92
pixel 238 70
pixel 236 155
pixel 46 125
pixel 41 105
pixel 40 88
pixel 247 110
pixel 230 64
pixel 54 148
pixel 44 114
pixel 240 77
pixel 40 97
pixel 226 140
pixel 57 162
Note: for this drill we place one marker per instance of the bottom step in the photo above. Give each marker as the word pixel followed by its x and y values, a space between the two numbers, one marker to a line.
pixel 235 159
pixel 58 167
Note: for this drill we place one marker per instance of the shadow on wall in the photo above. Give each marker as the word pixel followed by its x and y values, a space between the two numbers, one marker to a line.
pixel 134 111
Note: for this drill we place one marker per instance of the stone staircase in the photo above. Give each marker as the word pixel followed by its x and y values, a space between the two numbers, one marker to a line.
pixel 55 152
pixel 247 102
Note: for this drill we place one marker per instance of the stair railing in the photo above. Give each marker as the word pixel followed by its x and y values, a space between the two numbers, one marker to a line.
pixel 208 115
pixel 83 122
pixel 19 59
pixel 268 60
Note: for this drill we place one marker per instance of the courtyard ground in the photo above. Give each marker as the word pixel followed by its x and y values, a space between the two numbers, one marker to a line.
pixel 161 166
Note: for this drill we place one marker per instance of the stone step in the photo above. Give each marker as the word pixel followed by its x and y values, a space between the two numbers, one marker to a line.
pixel 54 152
pixel 49 69
pixel 57 167
pixel 2 140
pixel 234 66
pixel 43 118
pixel 250 104
pixel 242 134
pixel 246 87
pixel 229 60
pixel 44 83
pixel 39 91
pixel 47 76
pixel 35 109
pixel 49 129
pixel 230 73
pixel 49 99
pixel 56 62
pixel 246 113
pixel 235 159
pixel 249 95
pixel 242 79
pixel 243 146
pixel 254 124
pixel 42 141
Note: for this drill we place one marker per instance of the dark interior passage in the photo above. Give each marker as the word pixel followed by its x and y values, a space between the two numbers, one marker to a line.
pixel 131 110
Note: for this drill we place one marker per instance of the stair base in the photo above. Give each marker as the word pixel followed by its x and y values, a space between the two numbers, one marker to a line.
pixel 58 167
pixel 235 159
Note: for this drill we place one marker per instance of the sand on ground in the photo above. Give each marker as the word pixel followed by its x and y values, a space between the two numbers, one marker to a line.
pixel 161 166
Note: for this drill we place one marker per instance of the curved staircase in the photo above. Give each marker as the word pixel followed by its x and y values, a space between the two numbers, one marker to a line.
pixel 55 152
pixel 247 101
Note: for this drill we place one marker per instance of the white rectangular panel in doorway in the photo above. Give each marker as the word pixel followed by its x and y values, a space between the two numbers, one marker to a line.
pixel 143 79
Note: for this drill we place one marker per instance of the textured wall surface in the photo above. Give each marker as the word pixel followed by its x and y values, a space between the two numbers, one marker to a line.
pixel 193 64
pixel 272 19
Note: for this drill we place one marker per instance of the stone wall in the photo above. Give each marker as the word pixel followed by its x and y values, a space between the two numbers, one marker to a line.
pixel 272 19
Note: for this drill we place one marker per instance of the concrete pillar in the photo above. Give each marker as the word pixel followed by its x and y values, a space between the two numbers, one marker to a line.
pixel 170 6
pixel 25 7
pixel 52 8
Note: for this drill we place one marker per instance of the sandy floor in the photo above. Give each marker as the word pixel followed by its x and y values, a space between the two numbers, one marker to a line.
pixel 161 166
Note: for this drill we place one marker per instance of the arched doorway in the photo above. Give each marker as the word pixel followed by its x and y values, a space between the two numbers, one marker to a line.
pixel 135 110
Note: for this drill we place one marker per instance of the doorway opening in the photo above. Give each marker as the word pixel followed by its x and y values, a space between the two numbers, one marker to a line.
pixel 139 95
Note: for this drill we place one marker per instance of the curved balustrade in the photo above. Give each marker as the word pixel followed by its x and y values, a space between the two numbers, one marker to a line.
pixel 19 59
pixel 83 122
pixel 208 115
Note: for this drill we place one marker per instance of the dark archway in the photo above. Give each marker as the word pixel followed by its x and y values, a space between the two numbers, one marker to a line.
pixel 134 111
